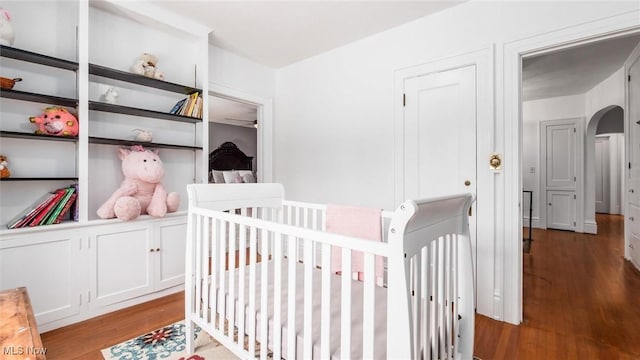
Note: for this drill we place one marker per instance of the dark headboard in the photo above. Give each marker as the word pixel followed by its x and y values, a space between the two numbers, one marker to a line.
pixel 229 157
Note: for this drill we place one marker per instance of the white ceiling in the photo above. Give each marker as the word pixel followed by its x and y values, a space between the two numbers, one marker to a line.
pixel 574 71
pixel 278 33
pixel 231 112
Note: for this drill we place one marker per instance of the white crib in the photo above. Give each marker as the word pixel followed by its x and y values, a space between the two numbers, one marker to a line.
pixel 264 263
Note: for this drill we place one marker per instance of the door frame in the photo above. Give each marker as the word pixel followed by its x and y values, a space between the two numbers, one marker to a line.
pixel 511 119
pixel 579 170
pixel 265 125
pixel 486 181
pixel 606 175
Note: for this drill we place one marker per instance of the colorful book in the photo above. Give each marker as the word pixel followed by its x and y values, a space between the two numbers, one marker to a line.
pixel 28 214
pixel 54 214
pixel 42 214
pixel 66 209
pixel 176 108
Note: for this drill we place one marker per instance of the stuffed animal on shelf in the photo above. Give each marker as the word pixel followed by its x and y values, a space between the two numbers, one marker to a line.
pixel 4 167
pixel 6 29
pixel 143 135
pixel 141 191
pixel 146 65
pixel 56 121
pixel 111 96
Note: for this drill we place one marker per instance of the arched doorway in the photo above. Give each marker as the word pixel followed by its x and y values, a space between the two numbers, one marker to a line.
pixel 608 120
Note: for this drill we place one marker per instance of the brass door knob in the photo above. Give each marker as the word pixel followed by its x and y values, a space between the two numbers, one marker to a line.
pixel 467 183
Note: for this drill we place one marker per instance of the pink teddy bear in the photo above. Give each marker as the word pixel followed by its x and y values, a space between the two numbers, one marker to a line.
pixel 56 121
pixel 141 191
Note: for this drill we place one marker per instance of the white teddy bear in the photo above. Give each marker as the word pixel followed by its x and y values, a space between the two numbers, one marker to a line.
pixel 6 29
pixel 146 65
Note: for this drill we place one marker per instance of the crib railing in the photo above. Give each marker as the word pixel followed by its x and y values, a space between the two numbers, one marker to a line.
pixel 248 309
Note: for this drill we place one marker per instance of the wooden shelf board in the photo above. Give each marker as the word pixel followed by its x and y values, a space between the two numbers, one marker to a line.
pixel 107 141
pixel 40 98
pixel 106 72
pixel 24 55
pixel 126 110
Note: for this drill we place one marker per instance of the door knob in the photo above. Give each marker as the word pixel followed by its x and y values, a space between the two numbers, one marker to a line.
pixel 467 183
pixel 549 204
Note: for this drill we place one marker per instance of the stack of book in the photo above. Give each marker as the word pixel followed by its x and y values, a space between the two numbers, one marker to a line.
pixel 189 106
pixel 51 208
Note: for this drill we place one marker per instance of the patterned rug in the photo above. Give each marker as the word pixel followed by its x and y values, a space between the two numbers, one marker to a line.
pixel 168 343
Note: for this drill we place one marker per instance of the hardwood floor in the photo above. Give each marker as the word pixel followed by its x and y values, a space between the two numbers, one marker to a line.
pixel 581 301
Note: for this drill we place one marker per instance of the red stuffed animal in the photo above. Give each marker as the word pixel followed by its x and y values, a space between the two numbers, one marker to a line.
pixel 56 121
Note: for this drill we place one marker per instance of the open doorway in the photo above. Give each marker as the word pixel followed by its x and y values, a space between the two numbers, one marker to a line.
pixel 575 85
pixel 233 141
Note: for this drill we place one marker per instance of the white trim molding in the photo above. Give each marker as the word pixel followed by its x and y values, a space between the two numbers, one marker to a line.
pixel 265 126
pixel 510 115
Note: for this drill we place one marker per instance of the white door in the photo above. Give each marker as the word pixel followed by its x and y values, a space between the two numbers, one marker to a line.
pixel 440 136
pixel 558 144
pixel 440 133
pixel 602 175
pixel 633 152
pixel 561 209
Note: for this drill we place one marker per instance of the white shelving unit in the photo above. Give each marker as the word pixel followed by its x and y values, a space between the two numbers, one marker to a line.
pixel 93 266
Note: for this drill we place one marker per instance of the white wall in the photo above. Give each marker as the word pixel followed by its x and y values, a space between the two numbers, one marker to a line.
pixel 533 112
pixel 240 74
pixel 333 135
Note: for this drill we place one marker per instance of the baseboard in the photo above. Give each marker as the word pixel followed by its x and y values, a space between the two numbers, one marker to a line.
pixel 590 227
pixel 535 222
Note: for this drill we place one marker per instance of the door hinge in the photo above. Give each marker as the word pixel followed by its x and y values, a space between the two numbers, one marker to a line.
pixel 574 129
pixel 629 165
pixel 574 223
pixel 629 78
pixel 574 197
pixel 574 178
pixel 404 99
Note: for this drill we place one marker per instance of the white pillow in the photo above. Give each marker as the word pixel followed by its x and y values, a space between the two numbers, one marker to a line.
pixel 248 178
pixel 218 177
pixel 231 177
pixel 245 172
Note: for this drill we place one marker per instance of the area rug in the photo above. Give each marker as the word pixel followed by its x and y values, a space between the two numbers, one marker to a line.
pixel 168 343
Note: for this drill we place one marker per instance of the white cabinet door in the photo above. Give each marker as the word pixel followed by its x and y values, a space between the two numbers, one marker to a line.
pixel 170 253
pixel 48 265
pixel 561 210
pixel 632 64
pixel 122 263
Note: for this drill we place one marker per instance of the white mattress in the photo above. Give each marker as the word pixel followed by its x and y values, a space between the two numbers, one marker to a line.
pixel 380 317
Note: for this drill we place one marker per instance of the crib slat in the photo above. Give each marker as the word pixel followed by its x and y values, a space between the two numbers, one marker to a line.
pixel 221 265
pixel 424 301
pixel 450 275
pixel 417 301
pixel 231 299
pixel 345 306
pixel 199 283
pixel 277 296
pixel 325 310
pixel 242 259
pixel 252 288
pixel 291 316
pixel 441 292
pixel 264 283
pixel 190 281
pixel 204 266
pixel 434 299
pixel 368 307
pixel 213 289
pixel 456 326
pixel 308 298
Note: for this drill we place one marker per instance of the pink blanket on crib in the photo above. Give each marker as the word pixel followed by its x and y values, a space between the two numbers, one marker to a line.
pixel 365 223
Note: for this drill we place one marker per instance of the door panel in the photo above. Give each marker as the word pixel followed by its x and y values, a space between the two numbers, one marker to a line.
pixel 633 152
pixel 561 210
pixel 603 189
pixel 561 166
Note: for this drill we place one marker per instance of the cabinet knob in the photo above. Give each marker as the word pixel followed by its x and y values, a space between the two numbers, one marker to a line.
pixel 152 250
pixel 631 246
pixel 158 249
pixel 549 204
pixel 631 218
pixel 631 191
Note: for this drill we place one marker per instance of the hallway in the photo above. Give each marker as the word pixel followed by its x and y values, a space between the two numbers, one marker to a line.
pixel 581 300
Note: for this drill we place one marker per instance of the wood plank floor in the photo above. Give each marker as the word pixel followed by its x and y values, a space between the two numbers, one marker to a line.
pixel 581 301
